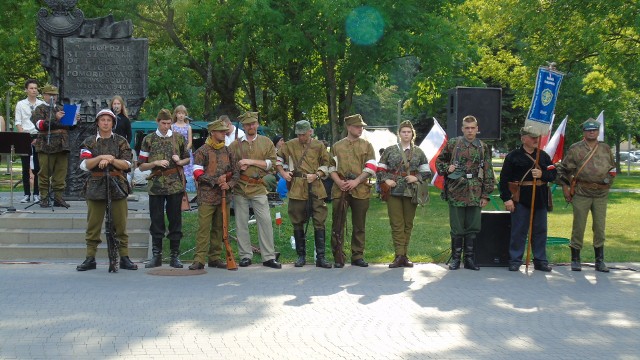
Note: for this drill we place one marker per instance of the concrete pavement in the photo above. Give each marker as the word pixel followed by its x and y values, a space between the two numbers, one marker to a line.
pixel 50 311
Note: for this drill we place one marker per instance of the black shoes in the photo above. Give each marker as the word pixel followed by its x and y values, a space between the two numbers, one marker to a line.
pixel 323 263
pixel 338 265
pixel 359 262
pixel 155 261
pixel 301 261
pixel 272 264
pixel 542 267
pixel 397 262
pixel 218 264
pixel 245 262
pixel 127 264
pixel 196 266
pixel 88 264
pixel 514 267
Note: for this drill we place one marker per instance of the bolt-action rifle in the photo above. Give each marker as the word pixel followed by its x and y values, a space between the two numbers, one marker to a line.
pixel 112 242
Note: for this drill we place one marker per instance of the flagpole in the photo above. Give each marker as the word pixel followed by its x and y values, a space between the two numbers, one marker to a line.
pixel 533 201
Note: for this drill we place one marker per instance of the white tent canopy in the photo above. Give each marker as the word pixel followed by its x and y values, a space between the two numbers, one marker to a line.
pixel 380 139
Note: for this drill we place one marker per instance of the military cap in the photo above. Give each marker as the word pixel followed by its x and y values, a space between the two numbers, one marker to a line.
pixel 218 125
pixel 354 120
pixel 248 117
pixel 50 89
pixel 164 114
pixel 302 127
pixel 590 124
pixel 529 131
pixel 106 112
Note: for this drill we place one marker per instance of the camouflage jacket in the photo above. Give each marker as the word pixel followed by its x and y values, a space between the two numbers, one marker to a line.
pixel 473 178
pixel 596 171
pixel 315 159
pixel 54 141
pixel 350 158
pixel 155 147
pixel 392 167
pixel 95 187
pixel 213 163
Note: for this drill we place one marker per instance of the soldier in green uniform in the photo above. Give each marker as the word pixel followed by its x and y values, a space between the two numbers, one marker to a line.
pixel 307 162
pixel 213 162
pixel 466 163
pixel 52 146
pixel 164 153
pixel 401 165
pixel 586 174
pixel 256 156
pixel 353 163
pixel 97 153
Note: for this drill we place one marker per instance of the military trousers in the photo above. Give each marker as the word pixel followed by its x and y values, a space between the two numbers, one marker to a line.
pixel 209 235
pixel 53 167
pixel 359 208
pixel 158 204
pixel 581 207
pixel 401 213
pixel 260 205
pixel 95 216
pixel 464 220
pixel 298 213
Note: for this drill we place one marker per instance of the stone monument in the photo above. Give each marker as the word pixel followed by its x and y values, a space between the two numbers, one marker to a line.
pixel 90 61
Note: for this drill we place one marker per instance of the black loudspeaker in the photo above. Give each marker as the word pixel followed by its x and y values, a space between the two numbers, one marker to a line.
pixel 492 242
pixel 483 103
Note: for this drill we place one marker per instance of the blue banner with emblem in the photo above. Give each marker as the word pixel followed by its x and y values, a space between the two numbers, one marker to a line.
pixel 545 95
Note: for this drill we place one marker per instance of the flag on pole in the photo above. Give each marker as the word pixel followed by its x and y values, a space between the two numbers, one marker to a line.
pixel 544 138
pixel 600 119
pixel 432 146
pixel 543 101
pixel 278 219
pixel 555 147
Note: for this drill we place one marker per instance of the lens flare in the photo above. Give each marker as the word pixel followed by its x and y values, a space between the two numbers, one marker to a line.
pixel 365 25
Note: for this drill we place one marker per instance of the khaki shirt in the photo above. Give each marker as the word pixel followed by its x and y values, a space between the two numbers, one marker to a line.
pixel 259 149
pixel 315 159
pixel 596 171
pixel 350 159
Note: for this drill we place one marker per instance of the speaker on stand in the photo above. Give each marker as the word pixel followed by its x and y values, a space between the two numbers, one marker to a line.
pixel 483 103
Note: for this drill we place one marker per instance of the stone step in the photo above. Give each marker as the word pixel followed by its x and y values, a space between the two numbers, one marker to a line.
pixel 30 252
pixel 62 221
pixel 55 236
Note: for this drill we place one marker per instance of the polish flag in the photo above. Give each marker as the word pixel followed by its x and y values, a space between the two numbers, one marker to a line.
pixel 544 139
pixel 600 119
pixel 555 147
pixel 278 219
pixel 432 146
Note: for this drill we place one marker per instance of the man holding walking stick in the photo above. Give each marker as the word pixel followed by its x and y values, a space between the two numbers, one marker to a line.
pixel 212 165
pixel 307 162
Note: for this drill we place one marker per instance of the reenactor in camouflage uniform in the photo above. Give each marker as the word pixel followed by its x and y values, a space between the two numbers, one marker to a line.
pixel 353 163
pixel 106 149
pixel 256 156
pixel 586 174
pixel 52 146
pixel 213 163
pixel 466 164
pixel 164 153
pixel 398 171
pixel 307 163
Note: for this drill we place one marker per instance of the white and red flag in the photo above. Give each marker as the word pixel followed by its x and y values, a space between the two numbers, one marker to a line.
pixel 555 147
pixel 544 139
pixel 278 219
pixel 600 119
pixel 432 145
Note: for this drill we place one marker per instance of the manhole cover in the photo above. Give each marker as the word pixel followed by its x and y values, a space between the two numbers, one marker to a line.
pixel 175 272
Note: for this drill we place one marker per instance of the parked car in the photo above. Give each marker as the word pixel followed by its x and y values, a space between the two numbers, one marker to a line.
pixel 625 156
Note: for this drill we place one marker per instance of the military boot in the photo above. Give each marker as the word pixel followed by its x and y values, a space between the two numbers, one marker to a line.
pixel 575 260
pixel 469 257
pixel 44 201
pixel 175 253
pixel 88 264
pixel 127 264
pixel 600 265
pixel 320 243
pixel 156 249
pixel 301 247
pixel 59 201
pixel 456 252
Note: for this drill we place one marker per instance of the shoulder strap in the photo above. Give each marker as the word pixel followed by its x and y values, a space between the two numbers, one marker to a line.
pixel 304 153
pixel 587 158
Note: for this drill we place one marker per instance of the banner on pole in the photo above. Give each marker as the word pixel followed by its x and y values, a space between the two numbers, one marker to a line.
pixel 544 99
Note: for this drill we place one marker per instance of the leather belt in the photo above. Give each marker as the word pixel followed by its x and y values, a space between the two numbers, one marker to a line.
pixel 530 183
pixel 251 180
pixel 57 131
pixel 111 173
pixel 162 173
pixel 593 186
pixel 404 174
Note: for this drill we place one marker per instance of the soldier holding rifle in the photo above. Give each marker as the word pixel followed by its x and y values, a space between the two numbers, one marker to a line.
pixel 307 162
pixel 212 167
pixel 98 152
pixel 353 162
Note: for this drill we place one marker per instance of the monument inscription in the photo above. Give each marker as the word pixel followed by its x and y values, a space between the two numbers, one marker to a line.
pixel 96 68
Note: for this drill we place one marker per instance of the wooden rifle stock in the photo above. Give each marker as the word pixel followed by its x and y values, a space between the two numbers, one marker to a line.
pixel 231 261
pixel 112 243
pixel 338 230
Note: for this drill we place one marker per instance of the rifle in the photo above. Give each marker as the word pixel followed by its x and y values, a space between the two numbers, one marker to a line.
pixel 338 230
pixel 231 262
pixel 112 242
pixel 309 208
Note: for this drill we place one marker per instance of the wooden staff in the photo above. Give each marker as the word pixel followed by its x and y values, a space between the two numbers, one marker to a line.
pixel 231 261
pixel 533 201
